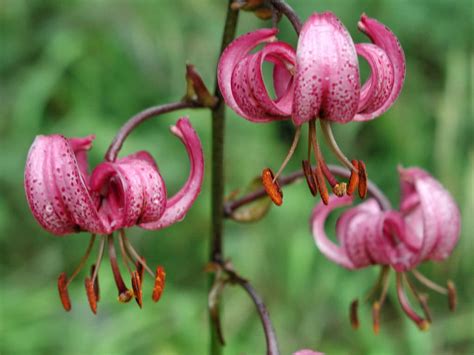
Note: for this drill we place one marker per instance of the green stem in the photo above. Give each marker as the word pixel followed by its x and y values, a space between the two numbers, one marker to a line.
pixel 217 177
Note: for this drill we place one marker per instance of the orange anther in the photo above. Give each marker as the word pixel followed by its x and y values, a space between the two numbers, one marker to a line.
pixel 323 190
pixel 96 283
pixel 137 287
pixel 160 277
pixel 91 294
pixel 376 317
pixel 63 293
pixel 354 315
pixel 308 173
pixel 272 187
pixel 362 180
pixel 354 179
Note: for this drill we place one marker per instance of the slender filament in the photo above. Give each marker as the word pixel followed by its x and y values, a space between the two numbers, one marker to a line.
pixel 294 144
pixel 329 136
pixel 136 255
pixel 83 260
pixel 428 283
pixel 99 258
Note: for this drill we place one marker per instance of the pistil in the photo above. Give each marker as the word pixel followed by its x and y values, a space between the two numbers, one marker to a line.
pixel 423 324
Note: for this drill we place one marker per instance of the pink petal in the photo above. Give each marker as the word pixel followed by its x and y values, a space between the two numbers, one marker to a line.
pixel 132 190
pixel 178 205
pixel 80 146
pixel 356 227
pixel 432 212
pixel 382 37
pixel 327 73
pixel 307 352
pixel 392 236
pixel 377 89
pixel 232 55
pixel 283 56
pixel 55 188
pixel 332 251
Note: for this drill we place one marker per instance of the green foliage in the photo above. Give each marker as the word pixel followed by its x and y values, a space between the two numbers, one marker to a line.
pixel 82 67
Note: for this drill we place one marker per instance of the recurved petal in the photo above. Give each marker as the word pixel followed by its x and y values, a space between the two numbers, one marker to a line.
pixel 283 56
pixel 178 205
pixel 55 188
pixel 378 86
pixel 232 55
pixel 80 146
pixel 356 228
pixel 132 190
pixel 332 251
pixel 307 352
pixel 438 216
pixel 382 37
pixel 327 73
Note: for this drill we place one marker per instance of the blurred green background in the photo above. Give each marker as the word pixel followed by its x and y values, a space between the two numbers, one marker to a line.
pixel 82 67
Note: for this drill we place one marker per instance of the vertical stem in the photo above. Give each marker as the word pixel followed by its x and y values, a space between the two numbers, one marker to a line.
pixel 217 158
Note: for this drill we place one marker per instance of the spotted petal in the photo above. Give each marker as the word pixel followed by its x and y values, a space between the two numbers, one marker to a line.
pixel 431 212
pixel 233 77
pixel 56 187
pixel 381 99
pixel 132 190
pixel 332 251
pixel 327 73
pixel 178 205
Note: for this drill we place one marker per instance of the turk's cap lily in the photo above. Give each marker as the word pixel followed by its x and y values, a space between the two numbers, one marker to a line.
pixel 319 79
pixel 307 352
pixel 64 198
pixel 426 227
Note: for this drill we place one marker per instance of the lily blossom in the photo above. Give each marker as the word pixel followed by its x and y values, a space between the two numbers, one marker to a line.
pixel 425 227
pixel 307 352
pixel 320 80
pixel 64 198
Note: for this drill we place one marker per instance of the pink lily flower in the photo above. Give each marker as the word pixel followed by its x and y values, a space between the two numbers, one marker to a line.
pixel 307 352
pixel 426 227
pixel 65 199
pixel 318 81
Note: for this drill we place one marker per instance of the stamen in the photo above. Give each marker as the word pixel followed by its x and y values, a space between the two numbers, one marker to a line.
pixel 63 292
pixel 96 283
pixel 159 283
pixel 135 255
pixel 83 259
pixel 354 316
pixel 362 179
pixel 423 324
pixel 323 191
pixel 91 294
pixel 125 257
pixel 421 298
pixel 354 179
pixel 272 187
pixel 329 136
pixel 376 307
pixel 294 144
pixel 95 275
pixel 308 173
pixel 140 268
pixel 384 271
pixel 137 287
pixel 452 296
pixel 428 283
pixel 317 173
pixel 125 295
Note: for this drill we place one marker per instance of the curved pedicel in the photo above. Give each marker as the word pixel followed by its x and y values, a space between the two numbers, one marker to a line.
pixel 383 38
pixel 178 205
pixel 327 72
pixel 56 189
